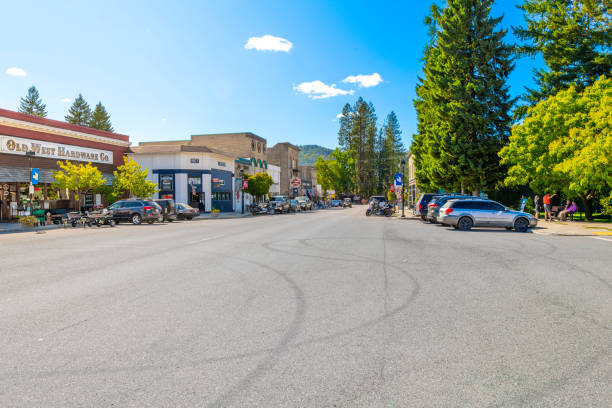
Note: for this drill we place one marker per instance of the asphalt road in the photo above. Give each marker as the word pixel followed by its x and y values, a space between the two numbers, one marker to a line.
pixel 326 309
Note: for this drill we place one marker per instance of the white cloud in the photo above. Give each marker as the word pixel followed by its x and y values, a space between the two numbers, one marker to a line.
pixel 15 71
pixel 268 43
pixel 339 116
pixel 163 119
pixel 319 90
pixel 365 81
pixel 65 100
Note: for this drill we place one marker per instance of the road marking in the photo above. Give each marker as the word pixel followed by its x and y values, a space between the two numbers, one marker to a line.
pixel 601 238
pixel 204 239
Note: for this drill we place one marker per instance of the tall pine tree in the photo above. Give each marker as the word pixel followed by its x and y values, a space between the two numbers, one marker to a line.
pixel 79 113
pixel 390 151
pixel 32 104
pixel 463 102
pixel 573 36
pixel 100 119
pixel 357 134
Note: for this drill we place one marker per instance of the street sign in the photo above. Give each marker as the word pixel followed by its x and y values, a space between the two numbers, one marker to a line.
pixel 295 182
pixel 399 178
pixel 245 184
pixel 35 175
pixel 295 190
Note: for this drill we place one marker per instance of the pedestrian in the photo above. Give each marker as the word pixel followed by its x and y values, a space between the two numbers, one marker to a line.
pixel 570 208
pixel 536 206
pixel 546 202
pixel 523 203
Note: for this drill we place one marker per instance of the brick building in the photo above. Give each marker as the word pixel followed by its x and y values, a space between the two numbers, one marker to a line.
pixel 285 155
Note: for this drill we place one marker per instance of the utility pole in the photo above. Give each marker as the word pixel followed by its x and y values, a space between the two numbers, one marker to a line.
pixel 403 185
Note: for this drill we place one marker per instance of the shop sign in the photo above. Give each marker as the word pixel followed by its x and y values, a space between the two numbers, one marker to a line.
pixel 245 184
pixel 51 150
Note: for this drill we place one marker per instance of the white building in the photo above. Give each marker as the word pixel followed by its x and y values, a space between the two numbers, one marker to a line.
pixel 197 175
pixel 275 173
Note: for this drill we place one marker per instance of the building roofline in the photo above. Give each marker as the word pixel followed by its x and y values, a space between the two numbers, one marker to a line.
pixel 287 144
pixel 251 134
pixel 61 125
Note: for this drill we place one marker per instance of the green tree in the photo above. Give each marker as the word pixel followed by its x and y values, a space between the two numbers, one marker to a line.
pixel 390 151
pixel 259 184
pixel 462 100
pixel 574 38
pixel 565 144
pixel 78 179
pixel 132 179
pixel 336 172
pixel 32 104
pixel 79 113
pixel 100 119
pixel 358 134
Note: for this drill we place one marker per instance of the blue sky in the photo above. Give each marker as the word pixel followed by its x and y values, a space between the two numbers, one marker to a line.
pixel 165 69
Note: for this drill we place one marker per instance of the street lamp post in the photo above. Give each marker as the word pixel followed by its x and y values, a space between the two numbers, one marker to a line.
pixel 403 186
pixel 30 154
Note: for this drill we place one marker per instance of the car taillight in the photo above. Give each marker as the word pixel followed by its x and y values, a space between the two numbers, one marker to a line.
pixel 420 207
pixel 448 210
pixel 148 208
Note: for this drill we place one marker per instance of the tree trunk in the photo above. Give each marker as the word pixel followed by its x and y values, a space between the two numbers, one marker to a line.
pixel 586 204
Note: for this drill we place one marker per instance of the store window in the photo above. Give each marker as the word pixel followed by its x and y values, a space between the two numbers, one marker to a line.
pixel 222 196
pixel 252 145
pixel 221 164
pixel 166 182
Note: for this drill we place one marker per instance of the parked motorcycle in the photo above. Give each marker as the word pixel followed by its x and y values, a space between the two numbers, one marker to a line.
pixel 258 209
pixel 377 209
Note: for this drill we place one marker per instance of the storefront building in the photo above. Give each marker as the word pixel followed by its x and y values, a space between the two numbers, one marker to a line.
pixel 28 141
pixel 196 175
pixel 413 190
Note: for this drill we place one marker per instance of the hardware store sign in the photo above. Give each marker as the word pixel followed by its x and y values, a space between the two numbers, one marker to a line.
pixel 50 150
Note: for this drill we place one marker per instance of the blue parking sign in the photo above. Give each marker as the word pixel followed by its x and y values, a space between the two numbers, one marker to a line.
pixel 35 174
pixel 399 179
pixel 295 190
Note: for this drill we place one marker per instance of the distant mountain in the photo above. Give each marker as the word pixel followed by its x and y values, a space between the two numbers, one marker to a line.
pixel 310 153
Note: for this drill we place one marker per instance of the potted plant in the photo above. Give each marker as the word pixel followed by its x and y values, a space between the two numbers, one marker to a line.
pixel 214 212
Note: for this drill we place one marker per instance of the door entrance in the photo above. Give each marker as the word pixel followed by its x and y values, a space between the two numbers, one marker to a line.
pixel 194 200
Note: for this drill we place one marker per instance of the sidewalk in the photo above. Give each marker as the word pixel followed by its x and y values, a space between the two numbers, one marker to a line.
pixel 12 227
pixel 222 216
pixel 573 228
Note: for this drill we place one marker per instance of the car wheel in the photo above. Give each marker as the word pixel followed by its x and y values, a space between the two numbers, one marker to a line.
pixel 189 218
pixel 112 223
pixel 465 223
pixel 521 224
pixel 136 219
pixel 368 212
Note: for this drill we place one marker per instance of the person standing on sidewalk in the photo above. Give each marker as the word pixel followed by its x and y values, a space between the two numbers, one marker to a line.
pixel 546 202
pixel 536 205
pixel 523 203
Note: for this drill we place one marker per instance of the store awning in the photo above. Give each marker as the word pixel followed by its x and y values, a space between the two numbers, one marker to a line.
pixel 22 175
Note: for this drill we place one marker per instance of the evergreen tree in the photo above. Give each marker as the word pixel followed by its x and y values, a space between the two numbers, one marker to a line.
pixel 574 38
pixel 390 150
pixel 32 104
pixel 357 135
pixel 79 113
pixel 462 102
pixel 100 119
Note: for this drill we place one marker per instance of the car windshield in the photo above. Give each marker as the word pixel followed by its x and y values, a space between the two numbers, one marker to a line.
pixel 278 199
pixel 114 206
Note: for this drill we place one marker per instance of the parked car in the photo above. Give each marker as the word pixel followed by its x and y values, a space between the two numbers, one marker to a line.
pixel 468 213
pixel 135 211
pixel 294 206
pixel 420 207
pixel 186 212
pixel 347 202
pixel 433 208
pixel 168 209
pixel 305 203
pixel 336 203
pixel 280 204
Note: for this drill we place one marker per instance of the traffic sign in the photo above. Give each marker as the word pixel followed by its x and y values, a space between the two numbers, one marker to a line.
pixel 399 178
pixel 295 190
pixel 296 182
pixel 35 175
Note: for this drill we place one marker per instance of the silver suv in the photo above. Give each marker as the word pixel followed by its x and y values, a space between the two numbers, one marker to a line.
pixel 465 214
